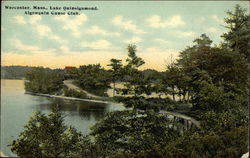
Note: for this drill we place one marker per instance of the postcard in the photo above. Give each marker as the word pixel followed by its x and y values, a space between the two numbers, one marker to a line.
pixel 124 79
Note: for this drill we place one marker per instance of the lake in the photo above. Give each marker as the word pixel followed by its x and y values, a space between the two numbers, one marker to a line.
pixel 17 107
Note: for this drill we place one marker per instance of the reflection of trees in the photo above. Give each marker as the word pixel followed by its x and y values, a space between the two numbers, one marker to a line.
pixel 86 110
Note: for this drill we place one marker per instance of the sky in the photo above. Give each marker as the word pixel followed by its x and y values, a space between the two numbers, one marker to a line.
pixel 159 29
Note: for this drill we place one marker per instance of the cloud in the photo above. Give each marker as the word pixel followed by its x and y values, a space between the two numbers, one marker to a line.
pixel 200 19
pixel 181 34
pixel 34 19
pixel 64 49
pixel 20 46
pixel 217 19
pixel 20 19
pixel 96 30
pixel 55 61
pixel 157 22
pixel 134 39
pixel 72 24
pixel 45 31
pixel 212 29
pixel 126 25
pixel 100 44
pixel 161 41
pixel 156 58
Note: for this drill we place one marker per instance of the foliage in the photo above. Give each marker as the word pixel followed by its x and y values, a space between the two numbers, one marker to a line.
pixel 138 83
pixel 203 70
pixel 224 121
pixel 142 103
pixel 74 93
pixel 213 79
pixel 14 72
pixel 93 77
pixel 132 134
pixel 41 80
pixel 231 144
pixel 48 137
pixel 116 72
pixel 133 60
pixel 238 36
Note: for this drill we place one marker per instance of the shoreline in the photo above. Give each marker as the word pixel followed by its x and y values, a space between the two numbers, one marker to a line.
pixel 176 114
pixel 70 98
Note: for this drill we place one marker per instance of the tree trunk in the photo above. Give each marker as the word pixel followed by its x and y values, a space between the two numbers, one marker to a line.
pixel 113 89
pixel 173 93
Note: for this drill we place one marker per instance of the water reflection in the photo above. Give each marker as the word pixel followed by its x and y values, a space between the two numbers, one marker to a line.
pixel 17 107
pixel 85 110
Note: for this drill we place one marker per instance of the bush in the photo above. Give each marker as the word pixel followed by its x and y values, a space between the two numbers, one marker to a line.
pixel 74 93
pixel 230 144
pixel 132 134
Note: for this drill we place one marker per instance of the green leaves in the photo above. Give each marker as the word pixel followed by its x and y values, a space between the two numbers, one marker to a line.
pixel 238 36
pixel 133 60
pixel 48 137
pixel 94 77
pixel 132 133
pixel 41 80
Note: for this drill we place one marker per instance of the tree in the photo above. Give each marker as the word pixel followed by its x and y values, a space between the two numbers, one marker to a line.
pixel 41 80
pixel 126 134
pixel 238 36
pixel 204 40
pixel 49 137
pixel 170 79
pixel 94 79
pixel 226 68
pixel 133 60
pixel 116 71
pixel 135 82
pixel 229 144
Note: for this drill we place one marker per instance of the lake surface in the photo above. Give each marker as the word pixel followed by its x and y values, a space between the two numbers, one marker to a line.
pixel 17 107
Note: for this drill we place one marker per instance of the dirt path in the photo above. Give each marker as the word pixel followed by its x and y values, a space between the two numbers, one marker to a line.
pixel 185 117
pixel 70 85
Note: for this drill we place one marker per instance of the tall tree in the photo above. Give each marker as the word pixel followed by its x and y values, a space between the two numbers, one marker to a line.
pixel 116 66
pixel 135 77
pixel 238 36
pixel 133 60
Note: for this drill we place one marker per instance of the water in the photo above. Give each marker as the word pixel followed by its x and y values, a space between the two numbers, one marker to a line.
pixel 17 107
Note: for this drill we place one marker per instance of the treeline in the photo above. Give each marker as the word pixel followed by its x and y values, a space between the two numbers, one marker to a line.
pixel 213 80
pixel 14 72
pixel 42 80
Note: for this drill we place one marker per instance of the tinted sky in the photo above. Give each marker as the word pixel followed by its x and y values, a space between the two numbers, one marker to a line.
pixel 160 29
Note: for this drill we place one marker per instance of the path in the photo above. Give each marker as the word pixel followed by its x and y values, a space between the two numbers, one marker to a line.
pixel 70 85
pixel 185 117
